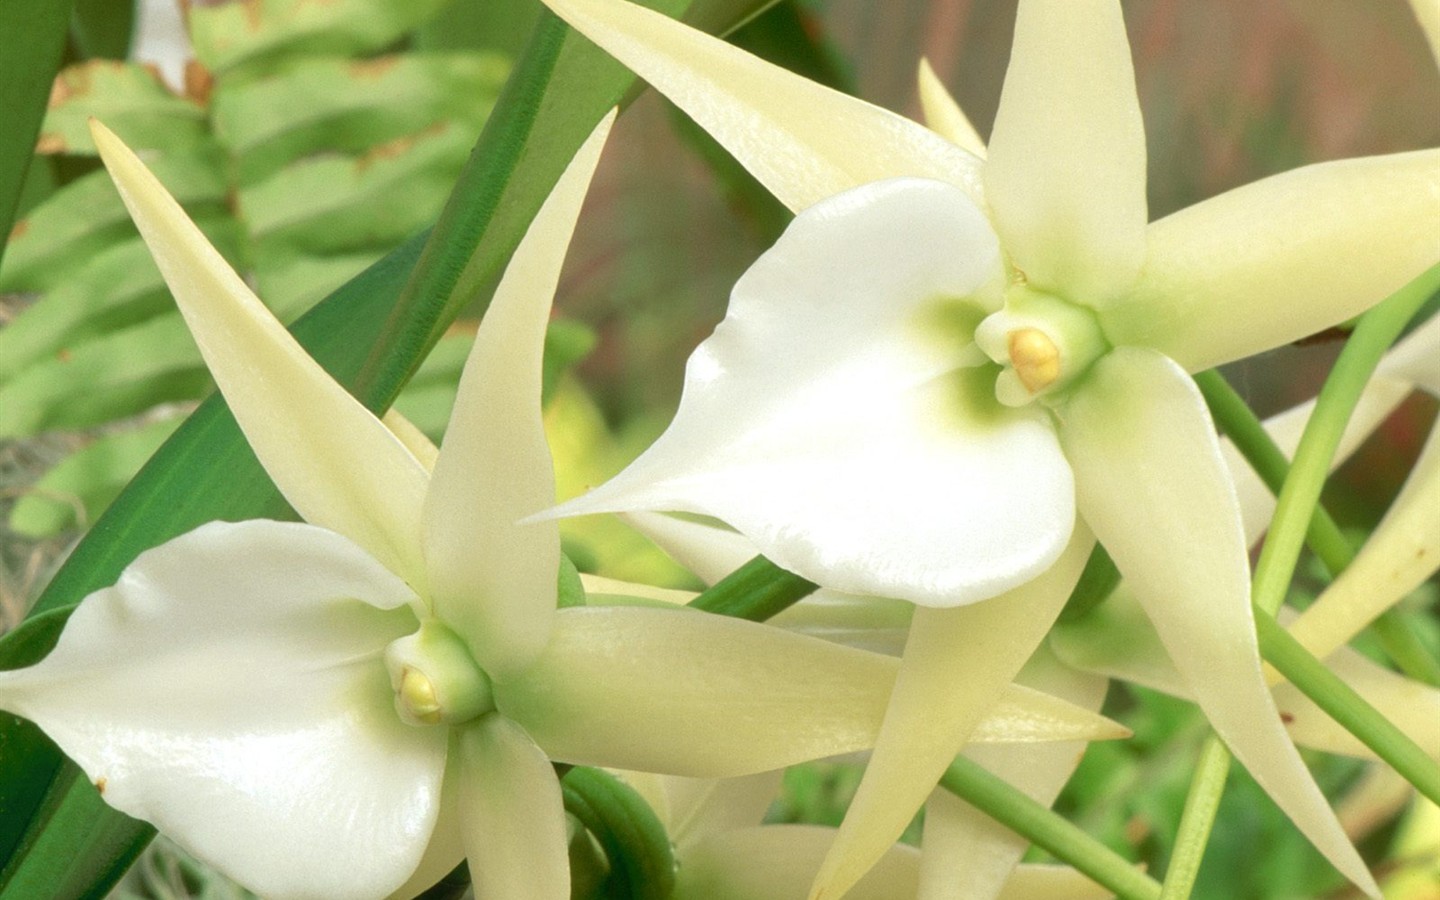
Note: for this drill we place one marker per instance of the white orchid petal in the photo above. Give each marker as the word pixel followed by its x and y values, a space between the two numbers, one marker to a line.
pixel 701 807
pixel 491 578
pixel 708 551
pixel 949 678
pixel 1257 502
pixel 1117 640
pixel 420 446
pixel 967 853
pixel 332 459
pixel 1151 483
pixel 828 419
pixel 598 588
pixel 1282 258
pixel 230 690
pixel 446 849
pixel 1066 171
pixel 512 816
pixel 803 141
pixel 1400 554
pixel 943 114
pixel 619 686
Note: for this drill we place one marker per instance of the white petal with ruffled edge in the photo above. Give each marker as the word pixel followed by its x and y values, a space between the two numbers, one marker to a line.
pixel 1282 258
pixel 803 141
pixel 332 459
pixel 492 579
pixel 1151 482
pixel 230 690
pixel 512 817
pixel 832 420
pixel 941 694
pixel 1066 172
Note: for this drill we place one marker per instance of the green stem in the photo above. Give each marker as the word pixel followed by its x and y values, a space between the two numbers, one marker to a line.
pixel 757 591
pixel 1374 334
pixel 1324 537
pixel 1047 829
pixel 1201 806
pixel 1345 706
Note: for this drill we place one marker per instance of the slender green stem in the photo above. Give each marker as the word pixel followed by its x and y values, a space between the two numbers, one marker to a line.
pixel 757 591
pixel 1047 829
pixel 1344 705
pixel 1201 806
pixel 1324 537
pixel 1373 335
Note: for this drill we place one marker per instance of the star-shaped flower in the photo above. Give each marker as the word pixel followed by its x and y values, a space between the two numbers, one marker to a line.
pixel 349 707
pixel 950 370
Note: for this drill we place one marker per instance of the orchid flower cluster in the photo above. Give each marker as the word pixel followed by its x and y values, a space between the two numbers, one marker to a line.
pixel 960 369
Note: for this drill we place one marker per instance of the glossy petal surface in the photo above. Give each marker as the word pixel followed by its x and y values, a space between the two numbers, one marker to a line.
pixel 941 694
pixel 621 686
pixel 1151 482
pixel 1066 170
pixel 230 690
pixel 840 418
pixel 804 142
pixel 332 459
pixel 491 578
pixel 1282 258
pixel 512 817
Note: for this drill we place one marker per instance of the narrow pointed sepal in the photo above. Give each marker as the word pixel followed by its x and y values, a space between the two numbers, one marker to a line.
pixel 1066 172
pixel 943 113
pixel 1282 258
pixel 949 677
pixel 492 578
pixel 803 141
pixel 1151 483
pixel 334 461
pixel 512 818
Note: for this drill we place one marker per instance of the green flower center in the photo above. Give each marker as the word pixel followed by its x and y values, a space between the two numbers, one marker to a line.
pixel 436 681
pixel 1042 343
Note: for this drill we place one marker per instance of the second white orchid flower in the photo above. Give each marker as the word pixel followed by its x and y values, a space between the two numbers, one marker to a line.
pixel 949 371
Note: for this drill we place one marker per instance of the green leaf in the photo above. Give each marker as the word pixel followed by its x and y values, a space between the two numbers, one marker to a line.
pixel 78 488
pixel 103 28
pixel 335 205
pixel 130 99
pixel 251 37
pixel 86 217
pixel 32 40
pixel 350 106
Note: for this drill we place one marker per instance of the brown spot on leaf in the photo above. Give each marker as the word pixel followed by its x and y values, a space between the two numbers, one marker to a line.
pixel 63 354
pixel 18 231
pixel 100 784
pixel 370 69
pixel 198 82
pixel 1287 718
pixel 50 143
pixel 397 147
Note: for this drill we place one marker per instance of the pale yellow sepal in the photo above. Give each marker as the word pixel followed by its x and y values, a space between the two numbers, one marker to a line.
pixel 803 141
pixel 943 113
pixel 939 698
pixel 331 457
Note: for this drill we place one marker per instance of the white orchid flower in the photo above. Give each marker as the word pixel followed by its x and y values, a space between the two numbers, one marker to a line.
pixel 944 358
pixel 350 707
